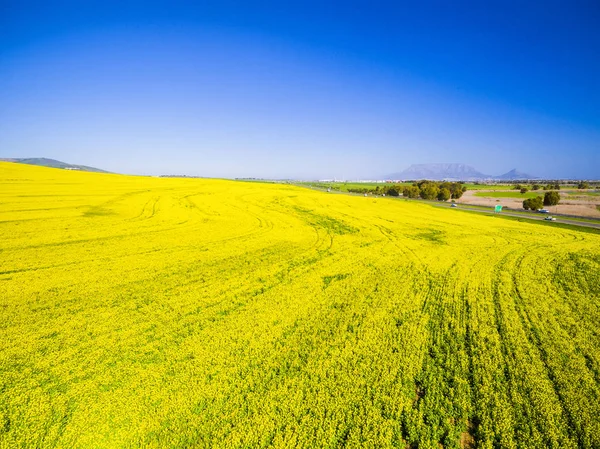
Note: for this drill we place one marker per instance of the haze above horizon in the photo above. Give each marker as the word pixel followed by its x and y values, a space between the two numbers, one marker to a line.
pixel 302 90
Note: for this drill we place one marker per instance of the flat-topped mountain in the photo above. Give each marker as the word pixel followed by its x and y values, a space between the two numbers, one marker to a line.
pixel 454 172
pixel 438 172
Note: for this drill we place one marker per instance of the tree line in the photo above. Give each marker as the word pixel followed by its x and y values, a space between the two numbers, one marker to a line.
pixel 581 185
pixel 555 186
pixel 427 190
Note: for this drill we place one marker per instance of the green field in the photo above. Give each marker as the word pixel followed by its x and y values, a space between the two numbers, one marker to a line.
pixel 345 186
pixel 141 312
pixel 583 193
pixel 510 194
pixel 472 186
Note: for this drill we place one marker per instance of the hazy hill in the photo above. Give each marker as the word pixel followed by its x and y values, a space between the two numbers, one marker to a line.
pixel 454 172
pixel 45 162
pixel 514 174
pixel 438 172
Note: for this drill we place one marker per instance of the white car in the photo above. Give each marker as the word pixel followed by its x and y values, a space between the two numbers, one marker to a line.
pixel 550 218
pixel 453 205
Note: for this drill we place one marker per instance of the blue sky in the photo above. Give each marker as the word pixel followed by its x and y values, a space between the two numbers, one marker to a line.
pixel 306 89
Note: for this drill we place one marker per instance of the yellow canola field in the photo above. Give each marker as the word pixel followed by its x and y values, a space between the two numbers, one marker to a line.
pixel 140 312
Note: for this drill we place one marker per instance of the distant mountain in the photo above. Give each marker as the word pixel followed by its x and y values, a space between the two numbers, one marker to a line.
pixel 514 175
pixel 439 172
pixel 44 162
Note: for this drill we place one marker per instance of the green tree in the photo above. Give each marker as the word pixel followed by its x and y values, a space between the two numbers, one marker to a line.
pixel 524 190
pixel 444 194
pixel 536 187
pixel 533 203
pixel 393 191
pixel 411 192
pixel 456 193
pixel 553 186
pixel 456 190
pixel 429 191
pixel 551 198
pixel 583 185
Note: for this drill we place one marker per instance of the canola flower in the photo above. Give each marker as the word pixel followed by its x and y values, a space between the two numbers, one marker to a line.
pixel 141 312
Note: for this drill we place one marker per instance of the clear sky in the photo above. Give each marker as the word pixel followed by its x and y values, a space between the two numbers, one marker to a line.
pixel 302 89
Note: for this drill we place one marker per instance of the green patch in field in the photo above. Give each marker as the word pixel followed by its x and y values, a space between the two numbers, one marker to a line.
pixel 98 211
pixel 5 423
pixel 433 235
pixel 336 277
pixel 333 225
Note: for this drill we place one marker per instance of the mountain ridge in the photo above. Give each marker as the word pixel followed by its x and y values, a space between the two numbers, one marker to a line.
pixel 454 172
pixel 515 174
pixel 53 163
